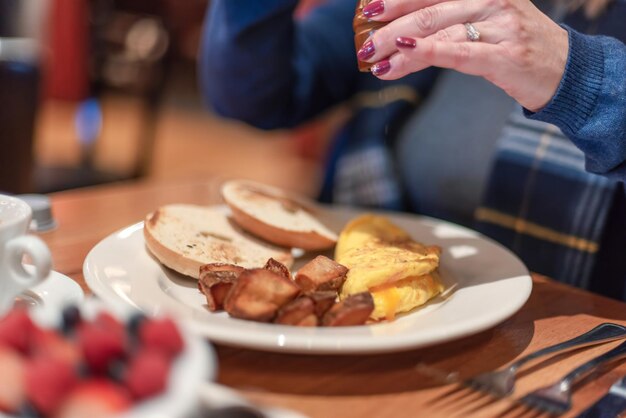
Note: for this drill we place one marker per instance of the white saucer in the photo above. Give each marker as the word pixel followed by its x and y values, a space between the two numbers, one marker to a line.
pixel 47 299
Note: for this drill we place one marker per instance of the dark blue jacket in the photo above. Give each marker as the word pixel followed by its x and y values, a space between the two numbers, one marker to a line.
pixel 313 67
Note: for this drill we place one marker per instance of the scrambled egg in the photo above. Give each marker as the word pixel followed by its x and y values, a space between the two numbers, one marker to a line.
pixel 384 260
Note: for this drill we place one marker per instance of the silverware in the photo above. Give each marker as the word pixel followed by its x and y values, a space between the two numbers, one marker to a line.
pixel 557 398
pixel 610 405
pixel 501 383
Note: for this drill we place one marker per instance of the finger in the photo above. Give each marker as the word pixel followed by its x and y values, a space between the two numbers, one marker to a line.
pixel 489 33
pixel 396 66
pixel 421 24
pixel 386 10
pixel 474 58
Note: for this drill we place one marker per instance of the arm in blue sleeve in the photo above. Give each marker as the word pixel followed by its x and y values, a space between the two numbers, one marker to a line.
pixel 259 65
pixel 590 103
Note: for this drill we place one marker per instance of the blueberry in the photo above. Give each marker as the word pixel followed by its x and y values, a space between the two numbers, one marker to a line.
pixel 134 323
pixel 82 370
pixel 71 317
pixel 116 370
pixel 28 410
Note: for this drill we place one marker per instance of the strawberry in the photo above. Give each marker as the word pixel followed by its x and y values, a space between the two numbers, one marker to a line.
pixel 48 381
pixel 95 398
pixel 109 322
pixel 161 334
pixel 12 392
pixel 50 344
pixel 147 373
pixel 101 345
pixel 16 330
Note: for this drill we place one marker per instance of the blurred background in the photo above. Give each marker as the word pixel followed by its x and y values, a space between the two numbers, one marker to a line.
pixel 98 91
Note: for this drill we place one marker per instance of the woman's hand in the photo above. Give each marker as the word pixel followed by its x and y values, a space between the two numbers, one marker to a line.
pixel 520 49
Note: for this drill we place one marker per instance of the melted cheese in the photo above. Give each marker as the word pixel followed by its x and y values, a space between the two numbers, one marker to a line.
pixel 387 301
pixel 405 295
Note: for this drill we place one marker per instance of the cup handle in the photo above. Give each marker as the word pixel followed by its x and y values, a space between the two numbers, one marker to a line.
pixel 38 252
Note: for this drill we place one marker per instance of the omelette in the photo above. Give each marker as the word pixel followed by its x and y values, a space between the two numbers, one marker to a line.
pixel 383 259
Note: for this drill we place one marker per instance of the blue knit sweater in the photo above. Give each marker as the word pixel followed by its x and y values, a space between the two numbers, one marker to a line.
pixel 590 103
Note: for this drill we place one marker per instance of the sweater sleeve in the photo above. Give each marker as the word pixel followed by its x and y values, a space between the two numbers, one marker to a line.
pixel 589 105
pixel 260 65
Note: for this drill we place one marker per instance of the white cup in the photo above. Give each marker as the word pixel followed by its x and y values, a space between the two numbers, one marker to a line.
pixel 15 217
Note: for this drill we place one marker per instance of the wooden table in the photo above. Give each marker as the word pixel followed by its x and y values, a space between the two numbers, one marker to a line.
pixel 388 385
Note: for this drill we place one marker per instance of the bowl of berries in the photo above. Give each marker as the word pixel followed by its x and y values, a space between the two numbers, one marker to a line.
pixel 100 362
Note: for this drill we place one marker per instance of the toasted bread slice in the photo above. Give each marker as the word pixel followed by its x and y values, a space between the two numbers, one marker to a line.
pixel 276 216
pixel 185 237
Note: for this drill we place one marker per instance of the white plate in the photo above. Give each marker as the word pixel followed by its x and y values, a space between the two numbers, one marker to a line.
pixel 47 299
pixel 485 284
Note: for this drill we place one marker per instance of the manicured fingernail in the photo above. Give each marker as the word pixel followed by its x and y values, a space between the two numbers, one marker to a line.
pixel 381 67
pixel 366 51
pixel 375 8
pixel 404 42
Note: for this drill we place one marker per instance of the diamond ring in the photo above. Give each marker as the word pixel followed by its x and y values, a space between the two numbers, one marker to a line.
pixel 472 33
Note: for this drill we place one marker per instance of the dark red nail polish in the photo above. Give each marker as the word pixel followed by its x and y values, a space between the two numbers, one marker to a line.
pixel 366 51
pixel 404 42
pixel 381 67
pixel 375 8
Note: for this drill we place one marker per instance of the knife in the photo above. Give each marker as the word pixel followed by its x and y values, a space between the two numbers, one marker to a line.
pixel 611 405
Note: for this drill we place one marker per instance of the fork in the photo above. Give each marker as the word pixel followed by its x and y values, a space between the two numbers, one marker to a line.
pixel 501 383
pixel 557 398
